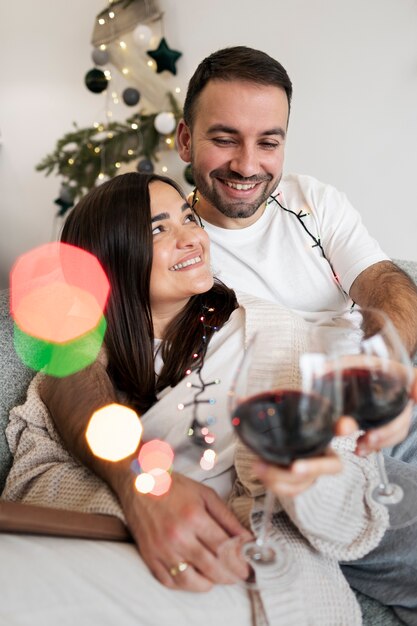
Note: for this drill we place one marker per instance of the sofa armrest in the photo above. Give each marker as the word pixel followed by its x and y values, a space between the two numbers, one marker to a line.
pixel 16 517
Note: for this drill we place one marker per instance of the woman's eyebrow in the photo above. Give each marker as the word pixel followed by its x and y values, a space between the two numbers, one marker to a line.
pixel 166 216
pixel 160 216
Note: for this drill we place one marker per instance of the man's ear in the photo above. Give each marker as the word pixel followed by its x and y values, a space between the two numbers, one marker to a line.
pixel 184 141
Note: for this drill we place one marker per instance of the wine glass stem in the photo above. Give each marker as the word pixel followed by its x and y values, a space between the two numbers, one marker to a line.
pixel 384 485
pixel 261 539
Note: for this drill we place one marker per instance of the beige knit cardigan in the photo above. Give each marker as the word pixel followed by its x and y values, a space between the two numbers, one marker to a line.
pixel 336 519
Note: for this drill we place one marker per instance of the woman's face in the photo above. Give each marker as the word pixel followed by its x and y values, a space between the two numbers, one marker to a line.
pixel 181 254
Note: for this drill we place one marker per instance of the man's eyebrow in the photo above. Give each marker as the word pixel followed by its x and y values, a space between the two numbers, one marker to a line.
pixel 166 216
pixel 222 128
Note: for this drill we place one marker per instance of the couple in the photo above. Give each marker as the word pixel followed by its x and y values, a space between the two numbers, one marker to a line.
pixel 290 240
pixel 144 233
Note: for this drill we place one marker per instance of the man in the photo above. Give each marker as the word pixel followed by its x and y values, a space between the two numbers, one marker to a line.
pixel 292 240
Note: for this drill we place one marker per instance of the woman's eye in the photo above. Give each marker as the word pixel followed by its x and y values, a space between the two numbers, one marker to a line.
pixel 190 218
pixel 157 229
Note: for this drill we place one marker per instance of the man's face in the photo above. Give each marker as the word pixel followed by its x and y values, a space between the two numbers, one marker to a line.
pixel 236 148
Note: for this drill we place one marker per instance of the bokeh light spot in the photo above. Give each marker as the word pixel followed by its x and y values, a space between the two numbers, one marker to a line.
pixel 155 454
pixel 57 312
pixel 58 359
pixel 58 292
pixel 163 481
pixel 144 483
pixel 114 432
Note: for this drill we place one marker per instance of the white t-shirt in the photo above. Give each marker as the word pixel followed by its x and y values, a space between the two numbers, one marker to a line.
pixel 276 259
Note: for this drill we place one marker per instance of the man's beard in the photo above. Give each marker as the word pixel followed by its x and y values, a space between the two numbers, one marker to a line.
pixel 237 208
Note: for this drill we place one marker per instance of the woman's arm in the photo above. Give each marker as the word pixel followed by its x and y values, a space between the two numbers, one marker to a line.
pixel 187 524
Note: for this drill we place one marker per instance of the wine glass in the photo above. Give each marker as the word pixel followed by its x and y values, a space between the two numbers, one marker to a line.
pixel 375 373
pixel 282 414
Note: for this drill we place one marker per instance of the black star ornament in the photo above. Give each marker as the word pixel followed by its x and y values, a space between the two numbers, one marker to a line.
pixel 164 57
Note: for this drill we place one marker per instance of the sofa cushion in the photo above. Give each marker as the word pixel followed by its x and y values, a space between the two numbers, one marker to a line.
pixel 14 380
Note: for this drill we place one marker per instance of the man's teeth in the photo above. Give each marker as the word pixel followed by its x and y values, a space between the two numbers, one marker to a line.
pixel 240 186
pixel 179 266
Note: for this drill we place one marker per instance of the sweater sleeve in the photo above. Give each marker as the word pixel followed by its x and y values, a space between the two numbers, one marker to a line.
pixel 43 472
pixel 337 514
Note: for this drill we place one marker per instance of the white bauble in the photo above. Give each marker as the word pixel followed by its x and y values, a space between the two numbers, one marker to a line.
pixel 165 123
pixel 142 35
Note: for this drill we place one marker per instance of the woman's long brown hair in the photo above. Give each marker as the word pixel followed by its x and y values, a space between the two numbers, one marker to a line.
pixel 113 222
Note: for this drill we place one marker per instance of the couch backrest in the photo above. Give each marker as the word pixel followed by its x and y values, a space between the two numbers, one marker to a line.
pixel 15 377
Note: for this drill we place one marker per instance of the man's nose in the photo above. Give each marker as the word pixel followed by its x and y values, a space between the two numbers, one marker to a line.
pixel 245 161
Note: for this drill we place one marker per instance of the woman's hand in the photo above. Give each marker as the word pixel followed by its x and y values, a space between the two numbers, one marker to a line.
pixel 185 526
pixel 299 476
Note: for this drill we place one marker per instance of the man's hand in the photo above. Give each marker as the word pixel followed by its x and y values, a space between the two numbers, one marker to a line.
pixel 188 525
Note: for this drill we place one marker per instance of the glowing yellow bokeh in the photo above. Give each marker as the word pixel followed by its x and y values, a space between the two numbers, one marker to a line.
pixel 114 432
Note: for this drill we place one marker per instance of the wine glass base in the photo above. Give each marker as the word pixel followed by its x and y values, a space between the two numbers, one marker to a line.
pixel 269 564
pixel 259 555
pixel 401 502
pixel 388 494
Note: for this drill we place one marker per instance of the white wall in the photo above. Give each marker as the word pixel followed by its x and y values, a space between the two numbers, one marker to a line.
pixel 353 122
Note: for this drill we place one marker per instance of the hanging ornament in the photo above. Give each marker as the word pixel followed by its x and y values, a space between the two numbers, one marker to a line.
pixel 164 57
pixel 165 123
pixel 145 166
pixel 100 57
pixel 188 174
pixel 142 35
pixel 96 80
pixel 130 96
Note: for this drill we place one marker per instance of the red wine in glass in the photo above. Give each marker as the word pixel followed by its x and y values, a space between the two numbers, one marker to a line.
pixel 281 426
pixel 373 397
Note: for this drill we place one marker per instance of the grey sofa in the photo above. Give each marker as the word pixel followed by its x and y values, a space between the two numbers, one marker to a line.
pixel 14 379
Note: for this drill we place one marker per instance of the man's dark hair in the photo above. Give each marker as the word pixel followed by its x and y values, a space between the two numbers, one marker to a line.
pixel 235 63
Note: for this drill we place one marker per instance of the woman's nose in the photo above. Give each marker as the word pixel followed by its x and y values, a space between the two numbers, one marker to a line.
pixel 187 237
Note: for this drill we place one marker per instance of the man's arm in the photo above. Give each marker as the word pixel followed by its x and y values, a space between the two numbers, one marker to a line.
pixel 386 287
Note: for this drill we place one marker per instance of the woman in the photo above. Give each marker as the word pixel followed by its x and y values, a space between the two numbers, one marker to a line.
pixel 174 337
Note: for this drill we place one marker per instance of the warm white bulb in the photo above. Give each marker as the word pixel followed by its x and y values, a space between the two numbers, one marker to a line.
pixel 125 71
pixel 103 46
pixel 134 126
pixel 164 169
pixel 111 15
pixel 177 90
pixel 101 21
pixel 123 45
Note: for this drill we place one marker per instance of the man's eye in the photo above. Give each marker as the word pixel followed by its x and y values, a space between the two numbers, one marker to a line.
pixel 223 141
pixel 269 145
pixel 157 229
pixel 190 218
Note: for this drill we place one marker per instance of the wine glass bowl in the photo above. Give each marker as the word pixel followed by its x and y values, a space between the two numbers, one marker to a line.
pixel 285 424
